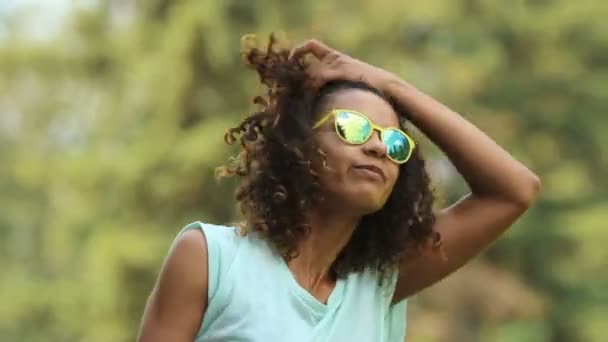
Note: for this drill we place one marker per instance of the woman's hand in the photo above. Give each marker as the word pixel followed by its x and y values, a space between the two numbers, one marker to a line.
pixel 330 64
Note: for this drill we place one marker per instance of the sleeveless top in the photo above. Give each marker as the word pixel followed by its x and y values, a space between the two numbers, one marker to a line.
pixel 253 296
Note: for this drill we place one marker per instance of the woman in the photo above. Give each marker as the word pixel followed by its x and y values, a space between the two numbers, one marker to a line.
pixel 340 228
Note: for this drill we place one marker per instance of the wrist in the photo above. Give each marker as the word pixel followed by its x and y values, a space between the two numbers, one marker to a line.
pixel 393 86
pixel 402 93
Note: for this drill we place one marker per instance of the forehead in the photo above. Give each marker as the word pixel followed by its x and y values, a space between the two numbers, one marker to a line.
pixel 366 102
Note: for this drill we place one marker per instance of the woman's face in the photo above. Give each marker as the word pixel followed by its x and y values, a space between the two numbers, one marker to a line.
pixel 362 176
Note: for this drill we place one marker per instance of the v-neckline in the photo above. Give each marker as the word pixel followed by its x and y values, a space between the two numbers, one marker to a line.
pixel 333 300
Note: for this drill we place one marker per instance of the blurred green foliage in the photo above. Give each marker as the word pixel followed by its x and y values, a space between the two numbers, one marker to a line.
pixel 110 131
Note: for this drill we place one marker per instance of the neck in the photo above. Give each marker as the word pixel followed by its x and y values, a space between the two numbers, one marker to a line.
pixel 329 233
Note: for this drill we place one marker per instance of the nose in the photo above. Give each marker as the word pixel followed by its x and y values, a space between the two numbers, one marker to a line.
pixel 374 146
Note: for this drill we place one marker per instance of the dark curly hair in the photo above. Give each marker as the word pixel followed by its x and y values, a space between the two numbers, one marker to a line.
pixel 279 184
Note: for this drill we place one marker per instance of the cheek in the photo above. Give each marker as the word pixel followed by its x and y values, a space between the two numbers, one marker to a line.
pixel 336 154
pixel 394 169
pixel 394 176
pixel 335 170
pixel 334 178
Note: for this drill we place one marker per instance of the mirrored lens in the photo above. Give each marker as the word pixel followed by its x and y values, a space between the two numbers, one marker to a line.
pixel 352 127
pixel 397 145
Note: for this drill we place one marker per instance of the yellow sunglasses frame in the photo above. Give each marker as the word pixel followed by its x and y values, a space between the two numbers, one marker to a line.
pixel 375 127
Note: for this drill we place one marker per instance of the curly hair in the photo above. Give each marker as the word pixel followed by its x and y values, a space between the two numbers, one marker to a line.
pixel 279 184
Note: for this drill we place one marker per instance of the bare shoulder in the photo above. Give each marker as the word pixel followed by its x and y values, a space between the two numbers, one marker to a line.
pixel 190 244
pixel 176 306
pixel 186 263
pixel 187 259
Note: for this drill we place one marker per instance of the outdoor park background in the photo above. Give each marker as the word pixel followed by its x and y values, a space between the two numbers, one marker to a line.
pixel 112 116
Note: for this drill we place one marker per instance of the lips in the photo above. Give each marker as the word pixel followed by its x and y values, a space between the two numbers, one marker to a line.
pixel 373 169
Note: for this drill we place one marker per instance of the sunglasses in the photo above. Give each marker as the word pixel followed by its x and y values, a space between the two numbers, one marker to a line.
pixel 355 129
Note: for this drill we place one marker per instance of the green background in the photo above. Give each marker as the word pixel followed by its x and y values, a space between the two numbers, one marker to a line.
pixel 112 123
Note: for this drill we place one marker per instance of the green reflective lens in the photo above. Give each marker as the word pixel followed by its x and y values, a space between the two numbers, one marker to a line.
pixel 398 147
pixel 352 127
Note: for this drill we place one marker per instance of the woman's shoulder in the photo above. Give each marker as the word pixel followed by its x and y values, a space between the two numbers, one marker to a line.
pixel 226 242
pixel 222 241
pixel 223 246
pixel 216 230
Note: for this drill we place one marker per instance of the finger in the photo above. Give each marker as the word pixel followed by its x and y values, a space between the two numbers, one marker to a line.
pixel 319 80
pixel 313 46
pixel 309 84
pixel 332 57
pixel 313 81
pixel 315 84
pixel 314 68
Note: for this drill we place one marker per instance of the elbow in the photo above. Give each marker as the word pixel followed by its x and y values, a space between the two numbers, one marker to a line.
pixel 530 192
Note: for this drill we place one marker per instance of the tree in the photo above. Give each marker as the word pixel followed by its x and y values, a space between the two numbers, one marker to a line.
pixel 110 132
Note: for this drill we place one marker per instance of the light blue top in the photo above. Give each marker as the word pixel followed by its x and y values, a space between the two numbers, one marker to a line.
pixel 253 296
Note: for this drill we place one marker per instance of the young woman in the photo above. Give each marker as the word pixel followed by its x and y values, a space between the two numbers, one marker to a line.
pixel 339 221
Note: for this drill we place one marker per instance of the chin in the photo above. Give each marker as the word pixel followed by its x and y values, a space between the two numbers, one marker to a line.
pixel 370 209
pixel 357 199
pixel 365 203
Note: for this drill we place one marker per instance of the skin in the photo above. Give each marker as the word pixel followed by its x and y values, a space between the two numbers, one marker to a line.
pixel 349 192
pixel 175 308
pixel 502 189
pixel 357 192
